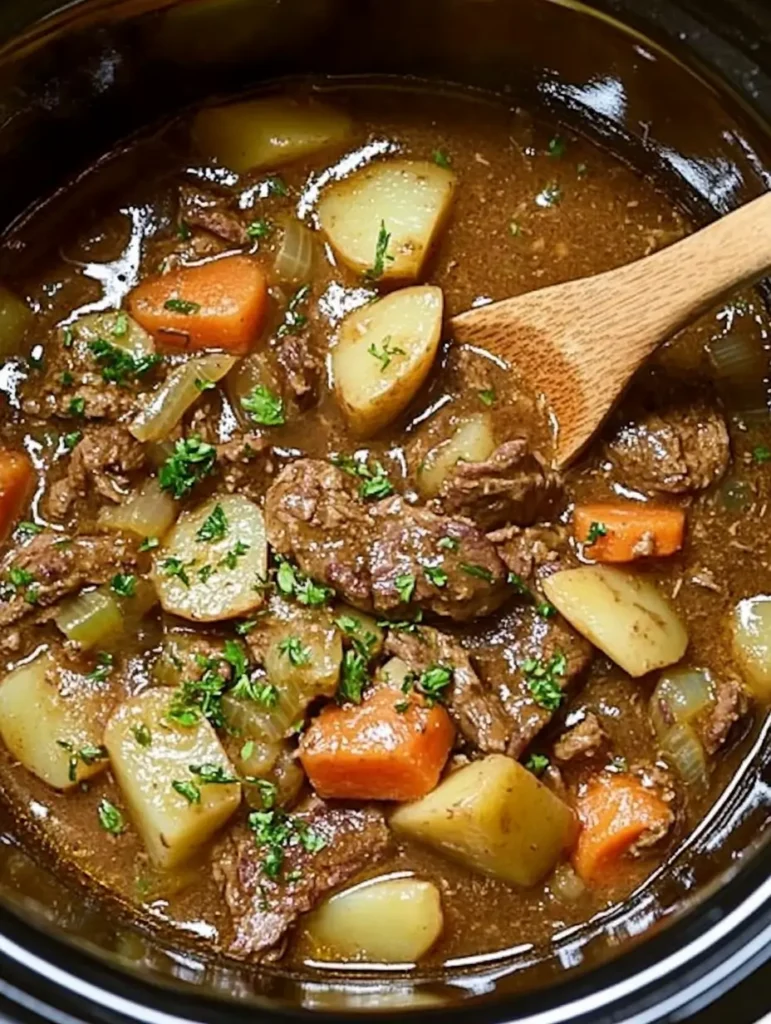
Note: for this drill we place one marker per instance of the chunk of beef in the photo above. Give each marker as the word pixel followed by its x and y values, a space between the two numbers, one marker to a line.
pixel 57 566
pixel 313 515
pixel 676 450
pixel 101 400
pixel 474 708
pixel 525 551
pixel 263 909
pixel 201 209
pixel 102 460
pixel 731 704
pixel 513 486
pixel 246 464
pixel 301 368
pixel 585 739
pixel 660 782
pixel 470 578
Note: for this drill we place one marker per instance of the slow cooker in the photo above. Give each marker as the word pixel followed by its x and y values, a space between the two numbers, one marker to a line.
pixel 681 89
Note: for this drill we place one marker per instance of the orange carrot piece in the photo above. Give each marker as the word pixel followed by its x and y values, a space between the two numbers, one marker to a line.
pixel 17 478
pixel 624 531
pixel 614 811
pixel 372 751
pixel 216 305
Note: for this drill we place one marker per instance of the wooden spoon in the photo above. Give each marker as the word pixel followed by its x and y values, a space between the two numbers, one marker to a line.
pixel 580 342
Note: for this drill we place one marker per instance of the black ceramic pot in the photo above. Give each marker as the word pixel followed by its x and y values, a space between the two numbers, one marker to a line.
pixel 679 88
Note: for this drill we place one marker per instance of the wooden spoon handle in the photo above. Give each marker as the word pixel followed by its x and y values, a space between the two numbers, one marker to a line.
pixel 677 284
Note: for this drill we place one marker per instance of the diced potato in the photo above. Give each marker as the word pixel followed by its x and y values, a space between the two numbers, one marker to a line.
pixel 359 628
pixel 751 627
pixel 118 328
pixel 178 655
pixel 15 318
pixel 303 658
pixel 390 921
pixel 383 355
pixel 473 441
pixel 149 513
pixel 171 826
pixel 394 672
pixel 267 132
pixel 494 816
pixel 407 199
pixel 208 580
pixel 621 613
pixel 45 730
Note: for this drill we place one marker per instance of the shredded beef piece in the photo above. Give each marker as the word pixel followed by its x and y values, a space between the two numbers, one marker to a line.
pixel 731 704
pixel 475 709
pixel 674 450
pixel 58 566
pixel 585 739
pixel 406 541
pixel 202 209
pixel 102 459
pixel 302 370
pixel 262 909
pixel 525 551
pixel 313 515
pixel 101 400
pixel 246 464
pixel 513 486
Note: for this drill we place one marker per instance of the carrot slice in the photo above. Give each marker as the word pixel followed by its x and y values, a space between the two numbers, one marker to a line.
pixel 624 531
pixel 217 305
pixel 372 751
pixel 17 478
pixel 615 811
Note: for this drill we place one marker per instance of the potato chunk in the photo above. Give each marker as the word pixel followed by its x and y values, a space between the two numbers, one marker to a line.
pixel 751 630
pixel 622 613
pixel 494 816
pixel 390 921
pixel 54 737
pixel 206 573
pixel 172 825
pixel 472 441
pixel 408 200
pixel 383 355
pixel 267 132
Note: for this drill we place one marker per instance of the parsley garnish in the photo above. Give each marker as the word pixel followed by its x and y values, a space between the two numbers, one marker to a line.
pixel 487 396
pixel 277 186
pixel 27 529
pixel 275 830
pixel 71 440
pixel 478 571
pixel 551 195
pixel 191 460
pixel 215 526
pixel 292 583
pixel 110 818
pixel 212 774
pixel 104 663
pixel 761 454
pixel 596 530
pixel 205 573
pixel 259 229
pixel 66 379
pixel 189 790
pixel 124 585
pixel 441 159
pixel 405 625
pixel 557 146
pixel 448 544
pixel 353 677
pixel 386 353
pixel 435 575
pixel 264 406
pixel 89 754
pixel 537 764
pixel 203 384
pixel 230 559
pixel 121 325
pixel 294 320
pixel 381 254
pixel 184 306
pixel 184 234
pixel 149 543
pixel 142 735
pixel 543 680
pixel 292 648
pixel 432 683
pixel 176 567
pixel 405 586
pixel 242 628
pixel 118 365
pixel 375 481
pixel 268 792
pixel 77 406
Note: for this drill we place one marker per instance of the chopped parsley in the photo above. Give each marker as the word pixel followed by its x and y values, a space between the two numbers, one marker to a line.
pixel 71 440
pixel 212 774
pixel 183 306
pixel 545 609
pixel 257 690
pixel 264 406
pixel 142 734
pixel 447 544
pixel 197 697
pixel 124 585
pixel 551 195
pixel 441 159
pixel 537 764
pixel 375 483
pixel 184 234
pixel 121 325
pixel 260 228
pixel 230 559
pixel 557 146
pixel 88 754
pixel 543 680
pixel 292 583
pixel 404 625
pixel 66 379
pixel 191 460
pixel 215 526
pixel 176 567
pixel 68 337
pixel 360 638
pixel 242 628
pixel 205 573
pixel 268 792
pixel 277 186
pixel 596 530
pixel 618 765
pixel 189 790
pixel 487 396
pixel 386 353
pixel 353 676
pixel 119 366
pixel 275 831
pixel 477 571
pixel 247 750
pixel 405 586
pixel 381 254
pixel 27 529
pixel 148 543
pixel 431 684
pixel 77 406
pixel 110 818
pixel 104 664
pixel 292 648
pixel 761 454
pixel 435 575
pixel 294 320
pixel 204 384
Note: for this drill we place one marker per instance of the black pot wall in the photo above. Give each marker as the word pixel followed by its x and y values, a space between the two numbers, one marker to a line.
pixel 81 81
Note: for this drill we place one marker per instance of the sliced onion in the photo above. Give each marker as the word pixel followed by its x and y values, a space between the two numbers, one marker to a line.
pixel 680 697
pixel 683 748
pixel 566 885
pixel 294 259
pixel 168 404
pixel 118 328
pixel 252 371
pixel 15 318
pixel 741 370
pixel 149 513
pixel 751 629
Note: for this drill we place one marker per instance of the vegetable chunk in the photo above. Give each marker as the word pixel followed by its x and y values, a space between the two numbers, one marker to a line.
pixel 216 305
pixel 15 318
pixel 213 561
pixel 53 736
pixel 751 627
pixel 267 132
pixel 17 479
pixel 624 532
pixel 493 816
pixel 383 355
pixel 472 441
pixel 383 220
pixel 622 614
pixel 386 748
pixel 391 921
pixel 176 785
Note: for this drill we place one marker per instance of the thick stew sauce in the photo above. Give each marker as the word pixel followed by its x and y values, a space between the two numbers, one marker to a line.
pixel 308 652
